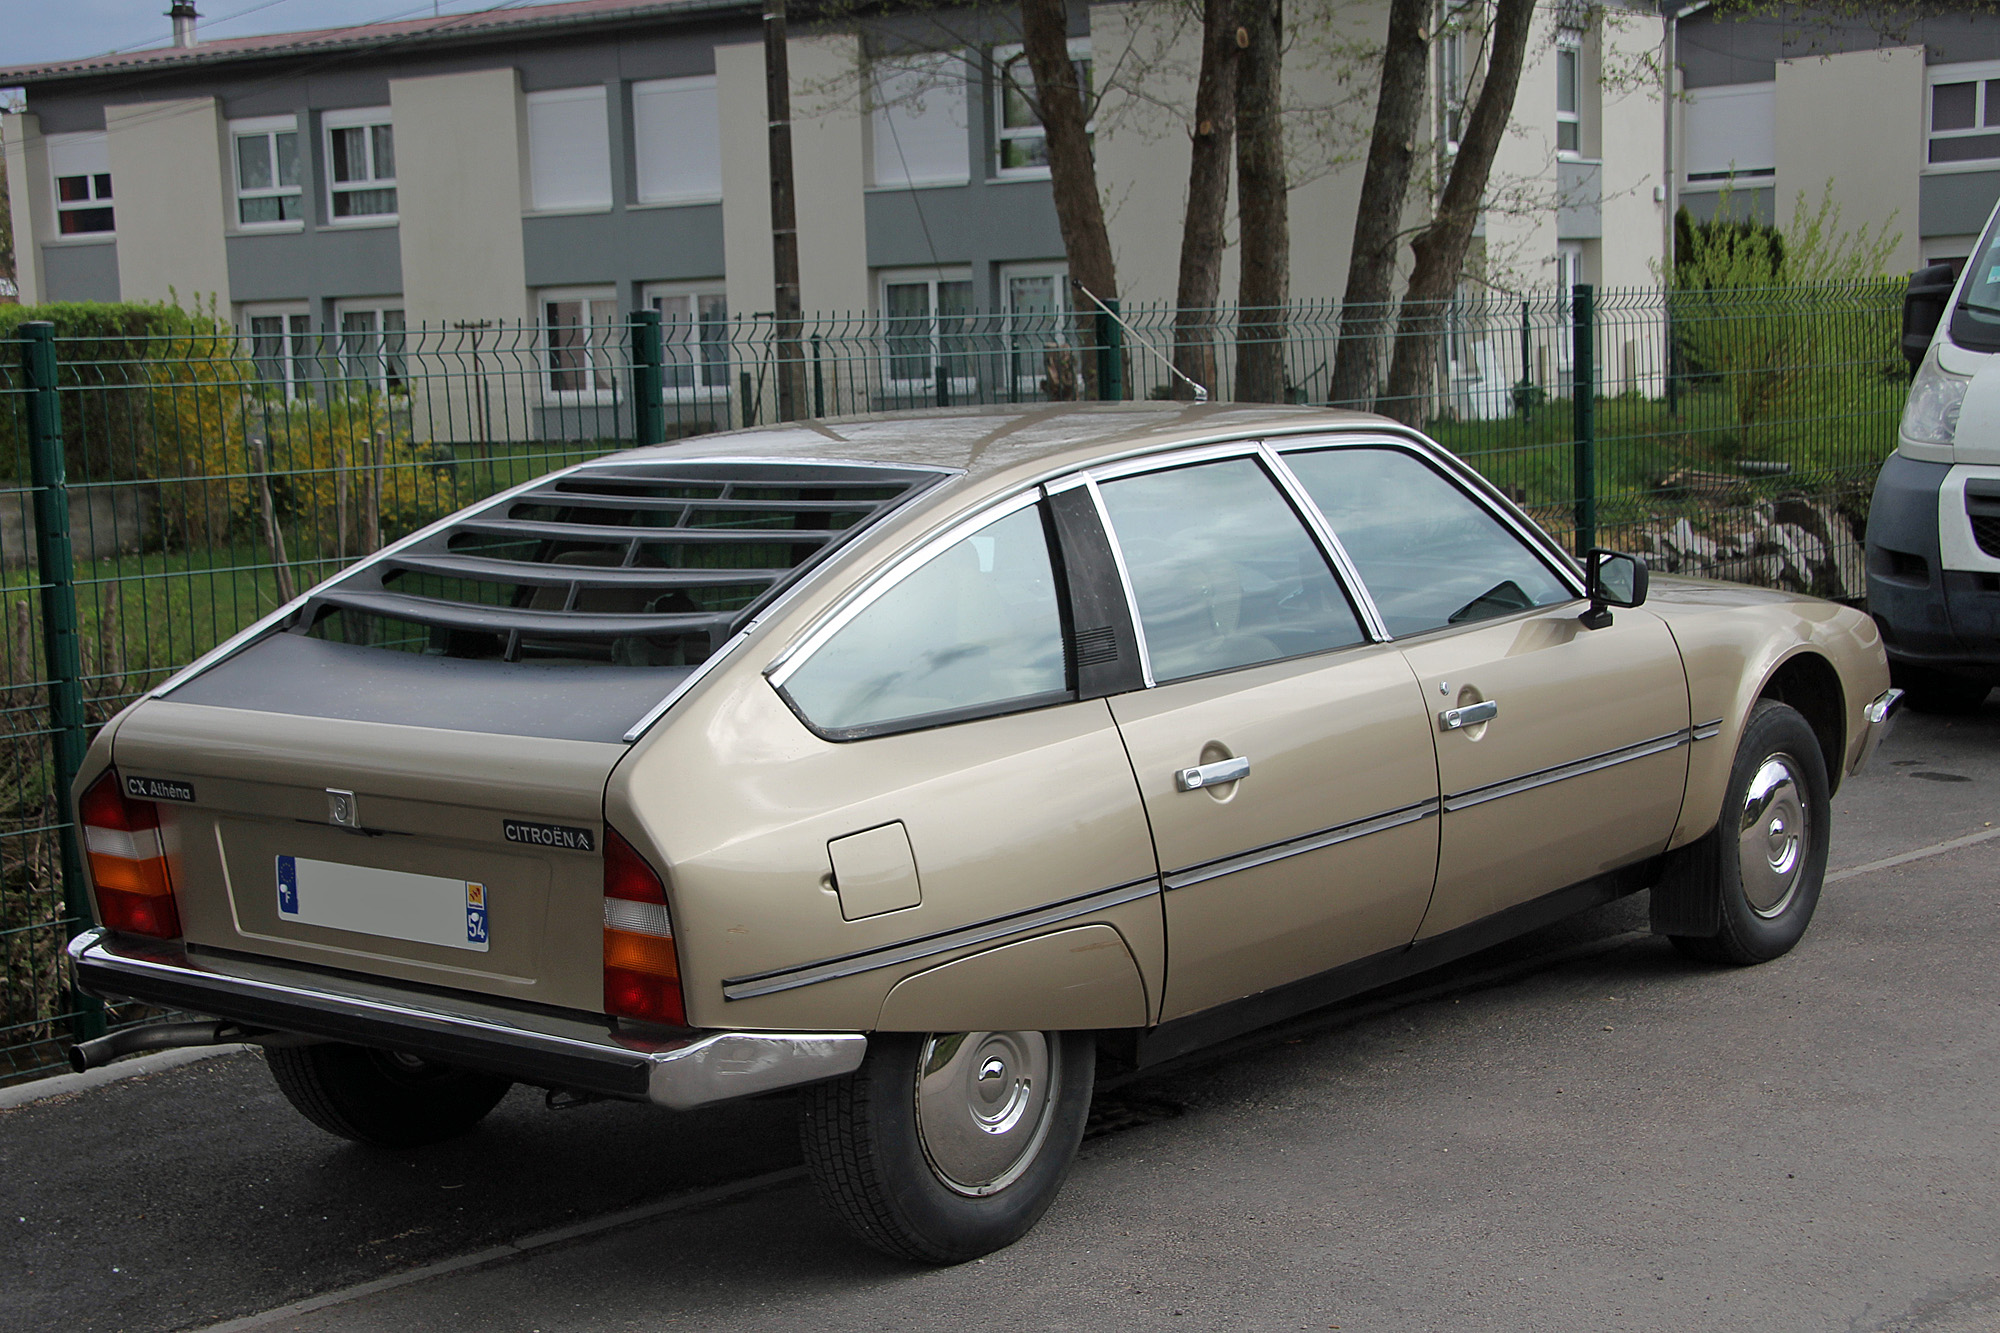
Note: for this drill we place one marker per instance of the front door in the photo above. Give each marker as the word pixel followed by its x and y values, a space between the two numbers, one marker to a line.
pixel 1285 762
pixel 1561 750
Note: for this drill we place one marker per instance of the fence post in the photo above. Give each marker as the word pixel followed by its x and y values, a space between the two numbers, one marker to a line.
pixel 819 380
pixel 649 381
pixel 1583 400
pixel 62 653
pixel 1110 354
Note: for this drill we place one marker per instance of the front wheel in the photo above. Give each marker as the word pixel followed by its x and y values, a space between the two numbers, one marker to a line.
pixel 1761 868
pixel 947 1146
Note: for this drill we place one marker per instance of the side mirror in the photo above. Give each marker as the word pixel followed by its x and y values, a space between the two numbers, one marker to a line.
pixel 1611 578
pixel 1923 309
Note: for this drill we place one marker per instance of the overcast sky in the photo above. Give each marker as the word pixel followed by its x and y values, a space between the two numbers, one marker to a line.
pixel 36 30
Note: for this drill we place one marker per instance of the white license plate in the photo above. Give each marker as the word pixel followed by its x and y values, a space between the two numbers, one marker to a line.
pixel 425 909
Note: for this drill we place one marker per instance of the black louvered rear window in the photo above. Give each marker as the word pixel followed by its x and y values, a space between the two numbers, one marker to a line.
pixel 632 564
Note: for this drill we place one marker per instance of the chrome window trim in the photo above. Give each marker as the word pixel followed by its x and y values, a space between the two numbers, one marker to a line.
pixel 1575 768
pixel 1330 545
pixel 1203 871
pixel 1124 579
pixel 1461 474
pixel 871 590
pixel 753 984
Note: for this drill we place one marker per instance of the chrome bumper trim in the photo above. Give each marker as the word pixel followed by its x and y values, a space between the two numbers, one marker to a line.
pixel 584 1052
pixel 1881 714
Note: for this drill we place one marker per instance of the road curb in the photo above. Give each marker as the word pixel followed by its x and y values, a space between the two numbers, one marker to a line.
pixel 62 1085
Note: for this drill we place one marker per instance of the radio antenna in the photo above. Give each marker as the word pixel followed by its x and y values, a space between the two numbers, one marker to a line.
pixel 1200 394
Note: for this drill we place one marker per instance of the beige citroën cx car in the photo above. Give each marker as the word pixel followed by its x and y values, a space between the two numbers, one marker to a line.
pixel 921 762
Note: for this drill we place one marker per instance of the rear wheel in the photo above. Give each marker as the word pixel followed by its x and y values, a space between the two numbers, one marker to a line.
pixel 947 1146
pixel 380 1097
pixel 1762 866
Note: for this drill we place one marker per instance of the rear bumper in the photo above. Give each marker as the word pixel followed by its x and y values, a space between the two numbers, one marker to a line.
pixel 582 1052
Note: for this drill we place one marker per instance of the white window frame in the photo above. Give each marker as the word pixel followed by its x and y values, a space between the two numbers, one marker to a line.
pixel 267 128
pixel 388 348
pixel 1981 74
pixel 1569 46
pixel 298 349
pixel 350 119
pixel 684 344
pixel 958 384
pixel 1079 50
pixel 708 194
pixel 601 349
pixel 1057 270
pixel 1451 86
pixel 945 83
pixel 540 189
pixel 97 185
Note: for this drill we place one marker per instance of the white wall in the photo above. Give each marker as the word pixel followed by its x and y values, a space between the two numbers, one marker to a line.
pixel 1632 125
pixel 459 196
pixel 1521 214
pixel 28 195
pixel 172 200
pixel 1857 120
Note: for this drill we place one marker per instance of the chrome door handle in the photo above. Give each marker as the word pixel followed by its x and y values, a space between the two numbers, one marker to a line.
pixel 1212 775
pixel 1451 719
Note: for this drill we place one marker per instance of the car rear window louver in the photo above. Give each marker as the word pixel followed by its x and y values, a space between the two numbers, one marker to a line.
pixel 635 564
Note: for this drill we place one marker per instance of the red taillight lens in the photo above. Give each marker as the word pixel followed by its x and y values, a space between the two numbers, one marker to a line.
pixel 128 864
pixel 642 973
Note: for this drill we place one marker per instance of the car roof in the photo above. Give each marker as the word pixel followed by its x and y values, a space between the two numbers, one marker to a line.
pixel 982 441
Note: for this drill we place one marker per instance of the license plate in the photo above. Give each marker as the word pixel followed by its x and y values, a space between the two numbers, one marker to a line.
pixel 424 909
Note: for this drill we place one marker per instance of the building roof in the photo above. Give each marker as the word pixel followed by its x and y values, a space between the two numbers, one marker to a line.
pixel 485 25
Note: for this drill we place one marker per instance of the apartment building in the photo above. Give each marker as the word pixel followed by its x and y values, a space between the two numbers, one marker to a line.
pixel 565 164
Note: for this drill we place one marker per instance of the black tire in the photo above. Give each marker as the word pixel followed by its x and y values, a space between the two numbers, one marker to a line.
pixel 877 1167
pixel 380 1098
pixel 1764 919
pixel 1939 692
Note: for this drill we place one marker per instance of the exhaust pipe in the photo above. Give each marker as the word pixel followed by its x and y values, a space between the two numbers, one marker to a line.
pixel 154 1037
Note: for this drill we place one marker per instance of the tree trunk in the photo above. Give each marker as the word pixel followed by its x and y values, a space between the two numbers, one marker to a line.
pixel 1261 208
pixel 1058 103
pixel 1440 247
pixel 1208 199
pixel 1392 153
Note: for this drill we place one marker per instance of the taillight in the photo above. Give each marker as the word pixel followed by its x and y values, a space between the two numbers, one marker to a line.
pixel 642 974
pixel 128 864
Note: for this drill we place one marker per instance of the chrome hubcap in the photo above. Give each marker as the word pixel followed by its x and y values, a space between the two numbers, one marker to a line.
pixel 1772 836
pixel 983 1103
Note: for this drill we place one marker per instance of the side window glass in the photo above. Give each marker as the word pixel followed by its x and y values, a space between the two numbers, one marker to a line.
pixel 1430 555
pixel 975 628
pixel 1224 571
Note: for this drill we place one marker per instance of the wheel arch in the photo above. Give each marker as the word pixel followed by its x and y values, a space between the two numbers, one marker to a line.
pixel 1807 682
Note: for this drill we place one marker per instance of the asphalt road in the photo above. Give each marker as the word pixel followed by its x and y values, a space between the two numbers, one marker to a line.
pixel 1578 1131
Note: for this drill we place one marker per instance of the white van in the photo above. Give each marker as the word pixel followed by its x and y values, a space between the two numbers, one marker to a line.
pixel 1934 524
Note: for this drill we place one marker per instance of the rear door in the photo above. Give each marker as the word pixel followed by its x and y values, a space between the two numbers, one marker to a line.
pixel 1582 763
pixel 1283 757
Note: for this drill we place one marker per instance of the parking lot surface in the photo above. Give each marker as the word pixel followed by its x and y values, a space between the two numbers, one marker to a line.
pixel 1580 1130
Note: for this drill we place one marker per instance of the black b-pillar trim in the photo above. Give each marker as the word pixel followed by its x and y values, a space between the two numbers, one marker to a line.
pixel 1104 644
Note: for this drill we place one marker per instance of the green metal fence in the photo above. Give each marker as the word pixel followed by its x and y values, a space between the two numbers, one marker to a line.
pixel 162 493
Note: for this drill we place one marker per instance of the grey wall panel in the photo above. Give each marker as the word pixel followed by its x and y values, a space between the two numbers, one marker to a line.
pixel 326 263
pixel 994 223
pixel 70 114
pixel 640 244
pixel 1716 50
pixel 1755 205
pixel 1956 205
pixel 1580 199
pixel 80 272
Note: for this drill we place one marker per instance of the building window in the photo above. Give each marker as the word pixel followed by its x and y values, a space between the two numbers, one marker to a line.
pixel 694 325
pixel 373 348
pixel 1569 82
pixel 677 141
pixel 1023 148
pixel 361 165
pixel 267 171
pixel 1964 113
pixel 582 333
pixel 1035 305
pixel 927 326
pixel 918 115
pixel 281 349
pixel 1452 84
pixel 81 165
pixel 569 150
pixel 1729 133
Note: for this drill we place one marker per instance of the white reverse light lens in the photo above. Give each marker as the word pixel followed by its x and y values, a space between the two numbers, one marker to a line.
pixel 1931 415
